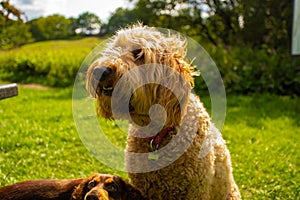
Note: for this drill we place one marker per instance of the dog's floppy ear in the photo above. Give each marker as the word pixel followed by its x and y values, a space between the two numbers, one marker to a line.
pixel 82 189
pixel 133 193
pixel 180 82
pixel 128 192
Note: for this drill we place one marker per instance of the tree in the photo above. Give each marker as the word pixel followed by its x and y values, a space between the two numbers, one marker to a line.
pixel 13 32
pixel 267 23
pixel 15 35
pixel 8 9
pixel 222 22
pixel 120 18
pixel 51 27
pixel 88 24
pixel 73 25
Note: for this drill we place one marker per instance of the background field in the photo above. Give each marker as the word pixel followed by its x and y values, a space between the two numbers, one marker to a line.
pixel 38 138
pixel 51 63
pixel 244 70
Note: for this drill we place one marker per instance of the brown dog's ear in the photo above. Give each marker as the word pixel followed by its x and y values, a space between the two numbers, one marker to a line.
pixel 82 189
pixel 133 193
pixel 128 192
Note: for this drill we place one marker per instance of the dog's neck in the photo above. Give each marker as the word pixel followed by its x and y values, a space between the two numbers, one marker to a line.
pixel 189 122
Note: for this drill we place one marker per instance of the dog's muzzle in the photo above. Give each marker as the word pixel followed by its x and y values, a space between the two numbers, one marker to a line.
pixel 100 82
pixel 97 195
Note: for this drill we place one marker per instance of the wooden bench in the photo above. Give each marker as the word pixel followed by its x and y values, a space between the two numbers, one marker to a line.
pixel 8 90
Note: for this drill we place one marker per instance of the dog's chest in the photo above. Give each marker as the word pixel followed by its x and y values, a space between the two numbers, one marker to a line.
pixel 180 180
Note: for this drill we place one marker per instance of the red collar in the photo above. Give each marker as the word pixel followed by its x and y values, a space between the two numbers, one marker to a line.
pixel 157 139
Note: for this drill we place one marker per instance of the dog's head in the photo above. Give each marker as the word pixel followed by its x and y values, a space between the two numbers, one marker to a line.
pixel 141 67
pixel 105 187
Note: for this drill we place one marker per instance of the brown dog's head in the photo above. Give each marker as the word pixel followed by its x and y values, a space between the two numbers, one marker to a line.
pixel 105 187
pixel 148 68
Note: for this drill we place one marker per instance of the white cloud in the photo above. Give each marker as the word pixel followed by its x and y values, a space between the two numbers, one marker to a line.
pixel 101 8
pixel 68 8
pixel 55 7
pixel 31 8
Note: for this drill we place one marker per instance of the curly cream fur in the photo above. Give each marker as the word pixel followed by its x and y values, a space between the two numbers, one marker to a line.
pixel 192 175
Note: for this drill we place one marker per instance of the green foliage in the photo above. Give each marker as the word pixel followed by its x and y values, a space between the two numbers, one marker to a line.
pixel 38 140
pixel 120 18
pixel 267 23
pixel 222 23
pixel 52 63
pixel 13 34
pixel 51 27
pixel 243 69
pixel 248 70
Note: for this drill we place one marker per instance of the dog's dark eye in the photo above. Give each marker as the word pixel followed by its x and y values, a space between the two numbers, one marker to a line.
pixel 137 53
pixel 112 187
pixel 92 184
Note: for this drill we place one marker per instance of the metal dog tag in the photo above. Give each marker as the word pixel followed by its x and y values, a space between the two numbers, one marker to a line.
pixel 153 156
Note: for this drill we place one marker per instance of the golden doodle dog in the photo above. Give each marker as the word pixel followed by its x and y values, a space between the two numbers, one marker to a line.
pixel 95 187
pixel 142 76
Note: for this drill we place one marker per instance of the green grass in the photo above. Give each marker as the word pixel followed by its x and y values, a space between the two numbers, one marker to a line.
pixel 263 134
pixel 38 140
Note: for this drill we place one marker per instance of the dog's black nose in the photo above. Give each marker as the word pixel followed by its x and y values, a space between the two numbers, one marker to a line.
pixel 92 196
pixel 101 73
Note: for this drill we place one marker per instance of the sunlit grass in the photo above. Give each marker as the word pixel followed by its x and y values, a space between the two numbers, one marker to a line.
pixel 38 138
pixel 263 134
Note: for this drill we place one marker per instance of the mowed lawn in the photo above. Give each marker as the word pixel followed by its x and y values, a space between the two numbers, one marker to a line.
pixel 38 140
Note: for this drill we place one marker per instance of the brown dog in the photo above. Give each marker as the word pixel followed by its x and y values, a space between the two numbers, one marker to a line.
pixel 96 187
pixel 40 190
pixel 105 187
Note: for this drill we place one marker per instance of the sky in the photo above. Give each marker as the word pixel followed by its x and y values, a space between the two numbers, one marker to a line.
pixel 68 8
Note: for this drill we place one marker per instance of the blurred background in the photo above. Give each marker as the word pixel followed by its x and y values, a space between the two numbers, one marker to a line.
pixel 250 41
